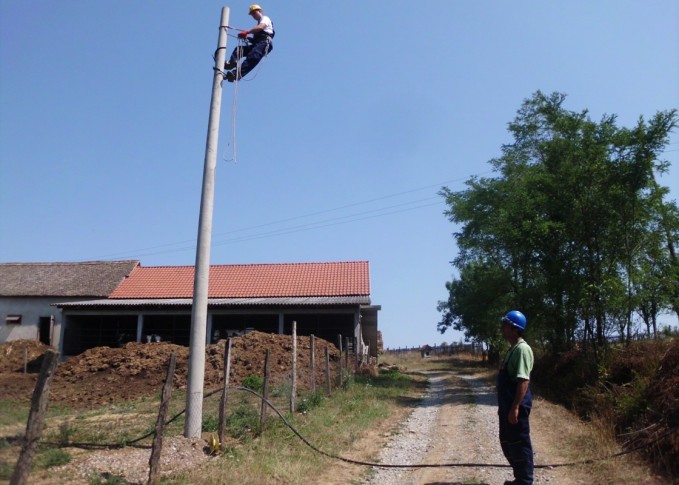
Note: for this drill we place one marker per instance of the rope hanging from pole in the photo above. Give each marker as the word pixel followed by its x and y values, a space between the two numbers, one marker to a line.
pixel 236 79
pixel 234 105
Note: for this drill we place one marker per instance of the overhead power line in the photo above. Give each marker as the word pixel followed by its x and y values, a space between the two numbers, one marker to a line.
pixel 383 211
pixel 231 237
pixel 223 238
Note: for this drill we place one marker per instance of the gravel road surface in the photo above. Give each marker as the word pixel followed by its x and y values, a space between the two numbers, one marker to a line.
pixel 456 422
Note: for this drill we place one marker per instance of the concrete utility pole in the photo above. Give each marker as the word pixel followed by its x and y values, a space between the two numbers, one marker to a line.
pixel 196 377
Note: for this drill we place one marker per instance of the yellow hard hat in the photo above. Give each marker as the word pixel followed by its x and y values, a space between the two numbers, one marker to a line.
pixel 254 7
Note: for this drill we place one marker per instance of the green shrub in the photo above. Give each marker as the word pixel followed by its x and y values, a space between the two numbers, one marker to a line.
pixel 210 423
pixel 243 422
pixel 51 457
pixel 256 383
pixel 66 432
pixel 6 470
pixel 282 390
pixel 106 479
pixel 560 377
pixel 310 401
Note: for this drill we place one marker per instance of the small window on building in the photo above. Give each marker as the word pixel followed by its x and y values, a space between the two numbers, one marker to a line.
pixel 13 320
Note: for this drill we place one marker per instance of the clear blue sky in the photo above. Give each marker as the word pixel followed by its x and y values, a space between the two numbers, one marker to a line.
pixel 363 110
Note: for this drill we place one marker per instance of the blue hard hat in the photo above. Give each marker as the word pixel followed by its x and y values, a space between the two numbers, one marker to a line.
pixel 516 319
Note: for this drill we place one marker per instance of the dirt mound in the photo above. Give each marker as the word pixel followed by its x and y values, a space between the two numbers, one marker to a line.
pixel 103 375
pixel 13 355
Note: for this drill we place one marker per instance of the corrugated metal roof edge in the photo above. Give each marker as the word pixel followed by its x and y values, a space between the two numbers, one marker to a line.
pixel 153 297
pixel 313 300
pixel 313 263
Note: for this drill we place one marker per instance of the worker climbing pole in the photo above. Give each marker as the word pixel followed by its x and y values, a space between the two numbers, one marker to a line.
pixel 243 60
pixel 253 46
pixel 196 371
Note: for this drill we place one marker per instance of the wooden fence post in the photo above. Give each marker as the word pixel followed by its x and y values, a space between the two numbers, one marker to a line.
pixel 265 391
pixel 36 418
pixel 222 401
pixel 340 374
pixel 328 383
pixel 346 356
pixel 313 362
pixel 157 446
pixel 293 390
pixel 357 360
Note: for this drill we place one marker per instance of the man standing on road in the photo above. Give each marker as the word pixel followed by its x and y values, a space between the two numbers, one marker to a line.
pixel 515 399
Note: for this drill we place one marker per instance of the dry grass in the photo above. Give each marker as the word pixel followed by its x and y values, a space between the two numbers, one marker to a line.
pixel 559 436
pixel 467 364
pixel 413 361
pixel 338 425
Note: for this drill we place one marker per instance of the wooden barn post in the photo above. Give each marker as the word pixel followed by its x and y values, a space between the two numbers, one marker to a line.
pixel 340 372
pixel 346 356
pixel 312 363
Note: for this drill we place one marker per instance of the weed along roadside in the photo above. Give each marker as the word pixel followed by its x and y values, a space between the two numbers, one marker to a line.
pixel 366 413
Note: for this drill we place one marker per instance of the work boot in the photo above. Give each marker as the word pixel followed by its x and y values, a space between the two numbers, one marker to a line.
pixel 230 64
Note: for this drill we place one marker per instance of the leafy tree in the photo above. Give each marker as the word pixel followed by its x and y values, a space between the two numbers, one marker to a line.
pixel 567 231
pixel 473 305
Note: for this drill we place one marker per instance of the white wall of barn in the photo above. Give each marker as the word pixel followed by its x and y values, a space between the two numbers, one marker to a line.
pixel 31 309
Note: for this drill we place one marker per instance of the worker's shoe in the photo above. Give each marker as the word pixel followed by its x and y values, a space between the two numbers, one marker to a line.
pixel 230 76
pixel 228 65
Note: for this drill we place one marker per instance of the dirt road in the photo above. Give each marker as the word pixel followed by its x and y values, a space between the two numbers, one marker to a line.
pixel 457 423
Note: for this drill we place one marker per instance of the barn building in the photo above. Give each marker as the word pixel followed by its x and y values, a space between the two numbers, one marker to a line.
pixel 76 306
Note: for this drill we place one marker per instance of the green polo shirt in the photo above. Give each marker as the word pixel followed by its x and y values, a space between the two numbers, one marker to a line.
pixel 519 361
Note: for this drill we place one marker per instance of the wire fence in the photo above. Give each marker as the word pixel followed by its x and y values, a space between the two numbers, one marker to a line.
pixel 143 423
pixel 445 349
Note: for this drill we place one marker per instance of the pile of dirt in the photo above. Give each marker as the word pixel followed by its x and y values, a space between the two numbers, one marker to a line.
pixel 17 353
pixel 104 375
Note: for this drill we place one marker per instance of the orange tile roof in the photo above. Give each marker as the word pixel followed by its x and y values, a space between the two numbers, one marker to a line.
pixel 250 281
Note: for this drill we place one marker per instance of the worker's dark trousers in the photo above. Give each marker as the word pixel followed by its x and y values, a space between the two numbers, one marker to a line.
pixel 516 445
pixel 252 54
pixel 515 438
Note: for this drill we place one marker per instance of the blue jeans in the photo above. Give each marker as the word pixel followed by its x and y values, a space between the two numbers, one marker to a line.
pixel 252 54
